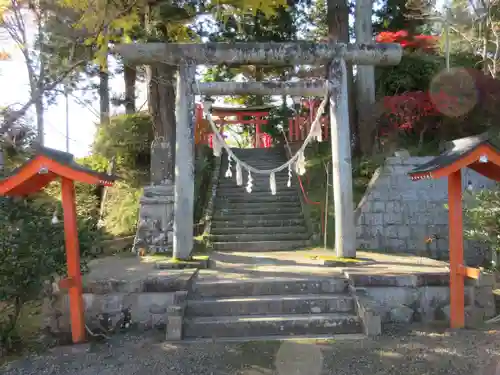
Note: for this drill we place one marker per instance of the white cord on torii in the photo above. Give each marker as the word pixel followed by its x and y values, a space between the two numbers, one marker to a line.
pixel 218 142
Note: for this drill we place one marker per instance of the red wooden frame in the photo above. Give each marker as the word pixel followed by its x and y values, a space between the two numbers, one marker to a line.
pixel 258 119
pixel 33 176
pixel 300 125
pixel 490 167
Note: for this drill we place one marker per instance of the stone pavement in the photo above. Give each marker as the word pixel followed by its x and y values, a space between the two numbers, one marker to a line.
pixel 307 263
pixel 267 265
pixel 126 267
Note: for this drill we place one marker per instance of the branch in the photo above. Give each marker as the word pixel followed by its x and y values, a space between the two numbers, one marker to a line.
pixel 11 118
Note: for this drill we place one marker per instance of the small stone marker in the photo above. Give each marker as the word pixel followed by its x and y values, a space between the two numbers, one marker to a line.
pixel 174 323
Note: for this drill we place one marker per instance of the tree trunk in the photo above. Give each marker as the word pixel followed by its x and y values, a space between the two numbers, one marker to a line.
pixel 129 75
pixel 365 79
pixel 2 161
pixel 35 83
pixel 161 102
pixel 40 121
pixel 337 16
pixel 104 96
pixel 259 77
pixel 484 53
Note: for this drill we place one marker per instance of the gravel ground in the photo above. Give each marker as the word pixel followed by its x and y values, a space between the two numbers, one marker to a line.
pixel 417 353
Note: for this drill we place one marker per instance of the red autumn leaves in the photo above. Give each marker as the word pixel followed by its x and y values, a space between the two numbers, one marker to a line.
pixel 426 43
pixel 404 110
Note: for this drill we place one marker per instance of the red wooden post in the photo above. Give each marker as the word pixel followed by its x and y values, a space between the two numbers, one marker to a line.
pixel 73 260
pixel 297 128
pixel 303 124
pixel 307 128
pixel 457 315
pixel 257 134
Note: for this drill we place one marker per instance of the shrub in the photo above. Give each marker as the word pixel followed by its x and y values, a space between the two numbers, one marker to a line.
pixel 482 214
pixel 122 209
pixel 31 253
pixel 128 139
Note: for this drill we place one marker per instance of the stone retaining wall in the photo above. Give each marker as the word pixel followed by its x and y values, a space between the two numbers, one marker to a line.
pixel 399 215
pixel 145 302
pixel 424 298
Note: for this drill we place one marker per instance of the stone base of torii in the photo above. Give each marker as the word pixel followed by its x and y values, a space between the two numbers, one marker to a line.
pixel 188 56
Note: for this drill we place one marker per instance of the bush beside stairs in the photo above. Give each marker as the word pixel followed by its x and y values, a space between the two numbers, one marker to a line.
pixel 258 221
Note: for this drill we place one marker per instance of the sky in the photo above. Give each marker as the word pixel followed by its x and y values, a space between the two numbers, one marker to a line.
pixel 82 118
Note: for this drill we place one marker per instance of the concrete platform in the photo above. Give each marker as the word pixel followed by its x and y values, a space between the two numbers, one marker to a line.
pixel 310 263
pixel 131 274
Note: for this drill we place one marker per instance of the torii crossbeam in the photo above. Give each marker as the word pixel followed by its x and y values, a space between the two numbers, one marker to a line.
pixel 335 55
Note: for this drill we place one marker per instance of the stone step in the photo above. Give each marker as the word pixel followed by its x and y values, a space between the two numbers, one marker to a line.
pixel 256 177
pixel 265 222
pixel 267 209
pixel 257 191
pixel 272 305
pixel 264 157
pixel 258 230
pixel 252 205
pixel 268 287
pixel 272 325
pixel 257 150
pixel 257 217
pixel 263 164
pixel 256 153
pixel 263 190
pixel 261 245
pixel 281 338
pixel 267 163
pixel 280 182
pixel 253 237
pixel 261 199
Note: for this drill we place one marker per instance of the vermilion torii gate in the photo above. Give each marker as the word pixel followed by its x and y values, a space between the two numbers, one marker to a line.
pixel 335 55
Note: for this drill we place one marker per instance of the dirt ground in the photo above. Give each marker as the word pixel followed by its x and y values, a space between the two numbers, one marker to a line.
pixel 416 352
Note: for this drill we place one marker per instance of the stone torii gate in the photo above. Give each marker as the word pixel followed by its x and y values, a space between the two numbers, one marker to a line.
pixel 188 56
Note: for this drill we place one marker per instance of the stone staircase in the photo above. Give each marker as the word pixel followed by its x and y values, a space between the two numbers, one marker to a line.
pixel 258 221
pixel 273 308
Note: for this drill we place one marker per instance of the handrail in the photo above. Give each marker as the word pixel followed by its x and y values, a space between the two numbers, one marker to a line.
pixel 304 194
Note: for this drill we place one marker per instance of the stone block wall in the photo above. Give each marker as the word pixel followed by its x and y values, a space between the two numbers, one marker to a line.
pixel 146 301
pixel 424 297
pixel 399 215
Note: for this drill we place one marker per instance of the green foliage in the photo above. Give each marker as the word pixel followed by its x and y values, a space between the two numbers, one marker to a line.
pixel 87 199
pixel 203 179
pixel 32 253
pixel 409 15
pixel 260 26
pixel 127 138
pixel 413 73
pixel 318 158
pixel 122 209
pixel 482 214
pixel 96 162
